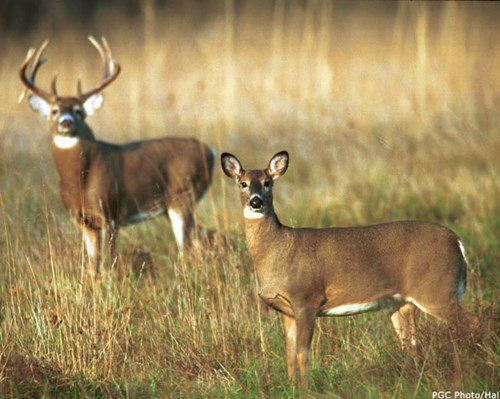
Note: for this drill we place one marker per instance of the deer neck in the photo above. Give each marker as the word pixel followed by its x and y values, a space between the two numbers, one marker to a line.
pixel 72 154
pixel 261 233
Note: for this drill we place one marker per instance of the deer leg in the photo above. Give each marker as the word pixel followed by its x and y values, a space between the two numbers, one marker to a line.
pixel 450 312
pixel 460 321
pixel 304 319
pixel 455 316
pixel 92 238
pixel 290 328
pixel 404 321
pixel 182 223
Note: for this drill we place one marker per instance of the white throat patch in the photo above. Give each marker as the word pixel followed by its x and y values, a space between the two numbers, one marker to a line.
pixel 249 214
pixel 64 142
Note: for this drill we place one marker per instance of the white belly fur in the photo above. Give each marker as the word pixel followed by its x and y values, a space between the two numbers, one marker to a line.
pixel 143 216
pixel 357 308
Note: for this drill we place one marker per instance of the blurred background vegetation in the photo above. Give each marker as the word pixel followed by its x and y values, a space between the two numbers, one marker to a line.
pixel 390 110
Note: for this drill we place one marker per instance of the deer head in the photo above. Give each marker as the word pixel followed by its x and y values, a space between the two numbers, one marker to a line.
pixel 66 114
pixel 256 185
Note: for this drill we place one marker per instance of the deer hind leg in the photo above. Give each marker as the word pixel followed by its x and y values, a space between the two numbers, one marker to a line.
pixel 404 321
pixel 93 246
pixel 182 223
pixel 290 328
pixel 454 315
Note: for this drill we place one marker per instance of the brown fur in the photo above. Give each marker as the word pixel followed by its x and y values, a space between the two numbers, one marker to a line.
pixel 106 186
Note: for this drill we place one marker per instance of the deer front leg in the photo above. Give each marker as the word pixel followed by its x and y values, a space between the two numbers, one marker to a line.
pixel 304 319
pixel 290 328
pixel 182 223
pixel 92 239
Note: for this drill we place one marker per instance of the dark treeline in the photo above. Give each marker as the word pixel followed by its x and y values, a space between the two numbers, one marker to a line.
pixel 20 17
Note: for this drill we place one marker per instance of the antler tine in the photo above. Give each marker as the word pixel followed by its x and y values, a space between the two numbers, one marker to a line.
pixel 29 56
pixel 79 87
pixel 53 86
pixel 109 55
pixel 102 53
pixel 111 68
pixel 30 82
pixel 38 62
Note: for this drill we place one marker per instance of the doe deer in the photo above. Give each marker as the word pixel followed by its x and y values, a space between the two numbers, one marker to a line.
pixel 105 186
pixel 303 273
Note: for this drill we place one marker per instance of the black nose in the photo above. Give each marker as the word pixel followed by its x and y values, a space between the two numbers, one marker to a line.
pixel 256 202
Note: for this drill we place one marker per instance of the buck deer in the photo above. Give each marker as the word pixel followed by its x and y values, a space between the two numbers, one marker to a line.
pixel 106 186
pixel 303 273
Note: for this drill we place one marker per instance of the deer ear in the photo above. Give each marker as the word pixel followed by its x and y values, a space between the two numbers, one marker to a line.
pixel 93 103
pixel 278 165
pixel 230 165
pixel 38 104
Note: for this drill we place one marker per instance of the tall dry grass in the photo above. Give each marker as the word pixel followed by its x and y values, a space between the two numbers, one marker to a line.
pixel 387 114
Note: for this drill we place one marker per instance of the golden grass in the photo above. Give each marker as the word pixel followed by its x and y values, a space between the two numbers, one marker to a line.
pixel 387 115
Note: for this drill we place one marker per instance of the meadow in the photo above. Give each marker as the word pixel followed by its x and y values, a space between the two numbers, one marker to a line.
pixel 389 112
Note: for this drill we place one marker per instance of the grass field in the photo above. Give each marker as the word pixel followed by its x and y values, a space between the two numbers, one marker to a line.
pixel 388 111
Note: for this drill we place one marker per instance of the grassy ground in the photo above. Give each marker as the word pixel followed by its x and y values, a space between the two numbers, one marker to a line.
pixel 387 114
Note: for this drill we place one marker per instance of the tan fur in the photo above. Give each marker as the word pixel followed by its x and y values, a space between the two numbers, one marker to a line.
pixel 304 272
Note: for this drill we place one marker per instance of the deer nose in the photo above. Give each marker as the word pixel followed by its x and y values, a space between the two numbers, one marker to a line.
pixel 256 202
pixel 66 123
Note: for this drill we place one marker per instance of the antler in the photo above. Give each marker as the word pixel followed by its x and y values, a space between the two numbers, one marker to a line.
pixel 30 82
pixel 110 73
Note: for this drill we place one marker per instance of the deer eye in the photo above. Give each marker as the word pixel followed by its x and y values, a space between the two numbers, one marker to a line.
pixel 267 183
pixel 244 185
pixel 78 112
pixel 55 111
